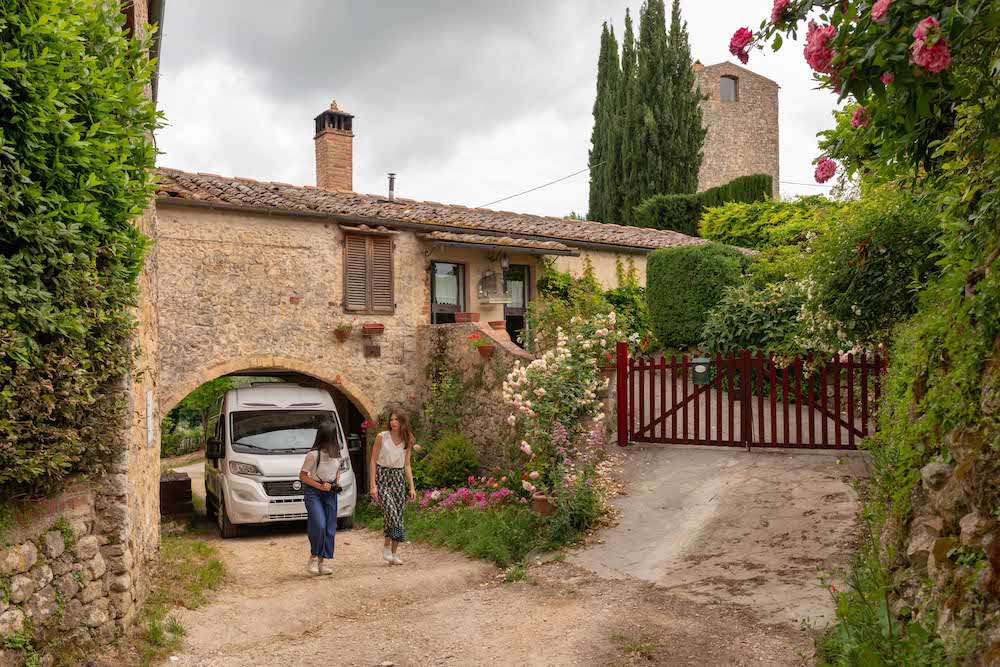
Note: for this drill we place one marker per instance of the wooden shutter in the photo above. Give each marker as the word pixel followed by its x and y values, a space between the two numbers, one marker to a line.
pixel 355 273
pixel 382 299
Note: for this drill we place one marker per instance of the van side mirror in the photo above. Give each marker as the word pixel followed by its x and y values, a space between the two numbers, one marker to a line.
pixel 213 449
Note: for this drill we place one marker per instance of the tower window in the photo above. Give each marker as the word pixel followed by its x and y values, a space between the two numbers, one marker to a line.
pixel 728 89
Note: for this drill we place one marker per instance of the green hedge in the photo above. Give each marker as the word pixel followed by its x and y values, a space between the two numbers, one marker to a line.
pixel 76 161
pixel 681 213
pixel 766 224
pixel 683 284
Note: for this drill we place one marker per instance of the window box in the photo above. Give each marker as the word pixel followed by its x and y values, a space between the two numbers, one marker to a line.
pixel 466 317
pixel 372 328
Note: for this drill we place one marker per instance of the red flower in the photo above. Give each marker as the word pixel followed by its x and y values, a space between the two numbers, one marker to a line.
pixel 474 336
pixel 879 9
pixel 887 78
pixel 817 53
pixel 860 118
pixel 608 355
pixel 825 169
pixel 929 50
pixel 925 28
pixel 738 44
pixel 778 11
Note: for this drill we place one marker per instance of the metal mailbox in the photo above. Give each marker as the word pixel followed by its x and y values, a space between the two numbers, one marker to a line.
pixel 701 370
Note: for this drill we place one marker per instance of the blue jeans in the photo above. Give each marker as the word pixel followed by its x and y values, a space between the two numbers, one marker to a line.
pixel 321 507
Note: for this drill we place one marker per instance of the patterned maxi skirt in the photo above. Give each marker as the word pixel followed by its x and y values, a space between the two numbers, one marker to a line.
pixel 391 485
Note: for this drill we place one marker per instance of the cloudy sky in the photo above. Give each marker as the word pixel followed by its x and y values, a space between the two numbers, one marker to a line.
pixel 468 101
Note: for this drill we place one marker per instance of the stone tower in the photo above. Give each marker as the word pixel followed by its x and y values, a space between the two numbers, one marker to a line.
pixel 741 115
pixel 335 150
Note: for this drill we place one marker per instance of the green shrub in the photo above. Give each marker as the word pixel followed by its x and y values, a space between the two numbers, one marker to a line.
pixel 754 318
pixel 678 213
pixel 683 284
pixel 76 161
pixel 681 212
pixel 745 189
pixel 767 224
pixel 864 274
pixel 451 462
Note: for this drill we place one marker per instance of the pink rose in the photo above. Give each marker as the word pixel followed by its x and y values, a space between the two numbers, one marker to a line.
pixel 825 169
pixel 932 58
pixel 887 78
pixel 533 474
pixel 528 486
pixel 416 448
pixel 738 44
pixel 778 11
pixel 860 118
pixel 817 53
pixel 526 448
pixel 925 28
pixel 880 9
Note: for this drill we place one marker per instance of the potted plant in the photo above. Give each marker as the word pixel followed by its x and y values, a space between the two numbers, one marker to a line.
pixel 484 346
pixel 343 330
pixel 466 317
pixel 498 325
pixel 372 328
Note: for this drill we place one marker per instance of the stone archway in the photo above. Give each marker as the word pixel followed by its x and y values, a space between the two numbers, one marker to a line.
pixel 191 381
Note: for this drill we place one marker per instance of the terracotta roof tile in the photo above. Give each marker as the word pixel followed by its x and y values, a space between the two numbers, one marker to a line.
pixel 507 241
pixel 240 192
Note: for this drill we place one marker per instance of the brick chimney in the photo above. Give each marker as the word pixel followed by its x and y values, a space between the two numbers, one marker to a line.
pixel 335 150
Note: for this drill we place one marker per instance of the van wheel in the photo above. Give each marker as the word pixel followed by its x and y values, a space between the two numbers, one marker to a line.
pixel 226 529
pixel 346 523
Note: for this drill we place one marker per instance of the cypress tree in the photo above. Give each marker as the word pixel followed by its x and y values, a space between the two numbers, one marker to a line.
pixel 682 145
pixel 606 149
pixel 654 88
pixel 626 194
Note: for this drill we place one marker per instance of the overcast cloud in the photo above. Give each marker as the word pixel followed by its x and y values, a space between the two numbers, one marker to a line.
pixel 468 101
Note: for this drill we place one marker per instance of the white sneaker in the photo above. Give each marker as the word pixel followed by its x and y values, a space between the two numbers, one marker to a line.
pixel 325 569
pixel 387 555
pixel 396 560
pixel 313 567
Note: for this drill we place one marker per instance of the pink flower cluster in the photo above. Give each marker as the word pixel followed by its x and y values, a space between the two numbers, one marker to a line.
pixel 778 11
pixel 880 9
pixel 739 43
pixel 860 118
pixel 825 169
pixel 887 78
pixel 930 50
pixel 818 54
pixel 441 499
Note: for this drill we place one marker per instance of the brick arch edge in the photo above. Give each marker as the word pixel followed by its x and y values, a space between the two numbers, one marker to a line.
pixel 194 380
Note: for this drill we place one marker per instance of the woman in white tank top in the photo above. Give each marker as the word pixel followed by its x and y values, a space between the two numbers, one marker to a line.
pixel 388 473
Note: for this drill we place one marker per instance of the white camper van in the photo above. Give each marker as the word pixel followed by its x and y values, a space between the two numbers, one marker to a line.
pixel 258 438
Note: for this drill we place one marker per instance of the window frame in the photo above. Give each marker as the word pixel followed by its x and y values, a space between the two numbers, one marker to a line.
pixel 369 274
pixel 441 308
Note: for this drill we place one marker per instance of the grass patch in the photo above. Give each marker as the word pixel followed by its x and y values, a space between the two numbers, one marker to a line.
pixel 187 570
pixel 635 645
pixel 63 526
pixel 502 535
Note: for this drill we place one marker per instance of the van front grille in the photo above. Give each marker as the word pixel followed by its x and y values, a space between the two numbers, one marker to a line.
pixel 278 489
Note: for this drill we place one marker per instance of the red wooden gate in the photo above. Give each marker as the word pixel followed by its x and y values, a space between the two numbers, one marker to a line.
pixel 749 400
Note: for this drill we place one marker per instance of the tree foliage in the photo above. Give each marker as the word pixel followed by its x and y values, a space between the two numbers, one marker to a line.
pixel 76 160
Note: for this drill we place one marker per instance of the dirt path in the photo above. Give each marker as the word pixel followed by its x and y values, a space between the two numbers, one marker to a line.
pixel 747 528
pixel 713 563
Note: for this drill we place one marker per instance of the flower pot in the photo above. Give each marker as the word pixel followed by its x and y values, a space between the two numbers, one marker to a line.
pixel 486 351
pixel 466 317
pixel 372 329
pixel 341 334
pixel 542 504
pixel 499 325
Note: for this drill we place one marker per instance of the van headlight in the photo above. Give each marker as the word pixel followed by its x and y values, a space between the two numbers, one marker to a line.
pixel 238 468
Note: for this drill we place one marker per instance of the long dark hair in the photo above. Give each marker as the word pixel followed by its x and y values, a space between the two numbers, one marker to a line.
pixel 404 426
pixel 326 439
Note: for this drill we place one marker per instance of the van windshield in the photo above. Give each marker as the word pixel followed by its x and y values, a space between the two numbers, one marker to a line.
pixel 276 431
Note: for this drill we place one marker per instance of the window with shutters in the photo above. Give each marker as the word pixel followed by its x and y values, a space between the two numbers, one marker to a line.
pixel 368 274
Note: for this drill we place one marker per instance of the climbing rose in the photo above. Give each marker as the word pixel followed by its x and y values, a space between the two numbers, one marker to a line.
pixel 929 50
pixel 738 44
pixel 511 419
pixel 817 54
pixel 860 118
pixel 825 169
pixel 879 9
pixel 887 78
pixel 528 486
pixel 526 448
pixel 533 474
pixel 778 10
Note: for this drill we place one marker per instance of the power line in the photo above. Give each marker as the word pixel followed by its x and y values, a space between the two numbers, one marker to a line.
pixel 544 185
pixel 813 185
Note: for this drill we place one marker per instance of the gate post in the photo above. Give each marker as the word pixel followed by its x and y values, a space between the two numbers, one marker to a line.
pixel 746 400
pixel 622 380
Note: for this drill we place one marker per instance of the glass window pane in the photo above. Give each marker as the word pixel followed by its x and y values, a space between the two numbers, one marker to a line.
pixel 728 89
pixel 265 431
pixel 448 284
pixel 517 286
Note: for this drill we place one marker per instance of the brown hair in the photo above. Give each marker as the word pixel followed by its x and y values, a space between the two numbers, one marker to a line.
pixel 404 426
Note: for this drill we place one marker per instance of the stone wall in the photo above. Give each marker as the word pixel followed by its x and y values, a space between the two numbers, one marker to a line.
pixel 66 577
pixel 742 136
pixel 482 411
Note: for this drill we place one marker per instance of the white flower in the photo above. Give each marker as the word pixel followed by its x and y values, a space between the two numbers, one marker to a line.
pixel 586 345
pixel 579 336
pixel 528 486
pixel 611 317
pixel 604 342
pixel 435 494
